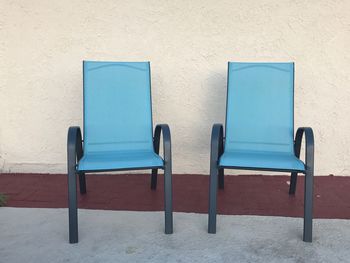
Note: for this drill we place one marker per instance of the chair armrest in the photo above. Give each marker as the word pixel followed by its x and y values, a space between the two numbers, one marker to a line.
pixel 217 143
pixel 74 145
pixel 309 143
pixel 164 128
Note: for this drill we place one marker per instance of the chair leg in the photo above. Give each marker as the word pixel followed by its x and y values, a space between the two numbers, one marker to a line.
pixel 213 186
pixel 73 210
pixel 308 205
pixel 154 179
pixel 221 178
pixel 168 199
pixel 82 183
pixel 293 183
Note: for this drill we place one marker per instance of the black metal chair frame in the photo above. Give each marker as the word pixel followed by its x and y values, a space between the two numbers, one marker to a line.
pixel 217 175
pixel 75 152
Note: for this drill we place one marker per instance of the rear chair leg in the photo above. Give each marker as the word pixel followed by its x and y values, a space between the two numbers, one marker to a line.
pixel 82 183
pixel 221 178
pixel 293 183
pixel 154 179
pixel 212 199
pixel 168 199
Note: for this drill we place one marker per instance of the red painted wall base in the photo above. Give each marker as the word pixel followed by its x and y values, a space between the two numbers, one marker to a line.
pixel 243 195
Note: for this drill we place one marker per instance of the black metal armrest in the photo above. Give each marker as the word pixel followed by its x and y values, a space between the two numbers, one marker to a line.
pixel 217 143
pixel 309 143
pixel 164 128
pixel 74 145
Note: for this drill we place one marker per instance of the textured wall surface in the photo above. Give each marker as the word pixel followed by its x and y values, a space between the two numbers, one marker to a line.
pixel 43 43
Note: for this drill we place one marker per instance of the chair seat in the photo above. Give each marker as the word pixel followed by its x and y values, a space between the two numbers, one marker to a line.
pixel 261 160
pixel 119 160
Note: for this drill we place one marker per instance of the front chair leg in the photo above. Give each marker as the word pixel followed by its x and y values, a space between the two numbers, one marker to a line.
pixel 72 202
pixel 168 188
pixel 308 205
pixel 216 174
pixel 213 186
pixel 74 153
pixel 309 178
pixel 168 199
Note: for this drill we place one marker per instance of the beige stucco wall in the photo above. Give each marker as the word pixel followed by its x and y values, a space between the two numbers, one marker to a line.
pixel 43 43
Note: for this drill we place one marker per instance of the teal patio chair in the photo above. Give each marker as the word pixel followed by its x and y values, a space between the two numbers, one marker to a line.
pixel 117 132
pixel 259 132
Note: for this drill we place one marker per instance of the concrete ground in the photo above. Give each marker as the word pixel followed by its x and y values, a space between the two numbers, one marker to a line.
pixel 41 235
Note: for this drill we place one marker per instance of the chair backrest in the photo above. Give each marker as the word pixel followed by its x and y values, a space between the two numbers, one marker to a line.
pixel 117 106
pixel 260 107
